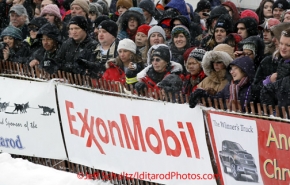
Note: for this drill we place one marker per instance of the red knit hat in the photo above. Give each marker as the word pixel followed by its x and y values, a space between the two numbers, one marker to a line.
pixel 166 23
pixel 250 13
pixel 144 29
pixel 186 54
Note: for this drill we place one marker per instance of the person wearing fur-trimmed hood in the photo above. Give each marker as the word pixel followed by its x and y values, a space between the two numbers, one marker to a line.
pixel 129 23
pixel 161 74
pixel 214 64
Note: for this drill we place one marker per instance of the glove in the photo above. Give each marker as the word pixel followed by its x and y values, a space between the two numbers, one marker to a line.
pixel 171 83
pixel 140 86
pixel 195 96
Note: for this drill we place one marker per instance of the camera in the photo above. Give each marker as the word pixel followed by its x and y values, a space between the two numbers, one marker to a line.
pixel 134 66
pixel 3 45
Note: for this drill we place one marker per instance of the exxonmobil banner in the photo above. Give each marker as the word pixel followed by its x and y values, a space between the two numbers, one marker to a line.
pixel 127 136
pixel 250 150
pixel 29 122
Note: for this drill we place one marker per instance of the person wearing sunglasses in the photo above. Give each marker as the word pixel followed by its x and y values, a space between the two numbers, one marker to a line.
pixel 32 41
pixel 14 50
pixel 214 64
pixel 161 74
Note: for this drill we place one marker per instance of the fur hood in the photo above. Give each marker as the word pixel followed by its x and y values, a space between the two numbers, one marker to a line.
pixel 132 12
pixel 214 56
pixel 176 67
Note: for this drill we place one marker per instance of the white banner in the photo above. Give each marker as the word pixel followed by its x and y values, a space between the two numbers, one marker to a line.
pixel 29 122
pixel 153 141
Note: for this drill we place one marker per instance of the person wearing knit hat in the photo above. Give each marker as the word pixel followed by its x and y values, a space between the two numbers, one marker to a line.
pixel 80 8
pixel 110 26
pixel 162 73
pixel 126 65
pixel 279 7
pixel 12 36
pixel 180 43
pixel 203 7
pixel 214 14
pixel 80 21
pixel 156 35
pixel 141 37
pixel 194 70
pixel 123 6
pixel 214 64
pixel 98 20
pixel 148 8
pixel 286 16
pixel 223 27
pixel 93 12
pixel 49 11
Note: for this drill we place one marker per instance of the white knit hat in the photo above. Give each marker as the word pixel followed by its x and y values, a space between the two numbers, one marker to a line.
pixel 127 44
pixel 157 29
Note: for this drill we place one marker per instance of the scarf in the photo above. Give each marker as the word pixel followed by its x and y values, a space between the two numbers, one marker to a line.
pixel 191 82
pixel 131 34
pixel 234 91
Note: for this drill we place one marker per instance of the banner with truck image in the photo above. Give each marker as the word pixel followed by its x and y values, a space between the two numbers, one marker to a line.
pixel 29 122
pixel 250 150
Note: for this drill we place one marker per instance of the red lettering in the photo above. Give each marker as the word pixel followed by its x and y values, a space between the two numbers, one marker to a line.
pixel 152 131
pixel 90 130
pixel 70 117
pixel 105 138
pixel 184 139
pixel 113 124
pixel 193 139
pixel 137 131
pixel 166 134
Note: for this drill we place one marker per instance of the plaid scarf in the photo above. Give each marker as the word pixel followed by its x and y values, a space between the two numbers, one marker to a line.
pixel 234 91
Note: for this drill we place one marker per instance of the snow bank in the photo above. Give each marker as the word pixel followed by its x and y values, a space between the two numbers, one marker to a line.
pixel 19 171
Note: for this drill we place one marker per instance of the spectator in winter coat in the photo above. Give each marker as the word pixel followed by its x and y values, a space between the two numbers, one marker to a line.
pixel 15 50
pixel 246 27
pixel 129 23
pixel 180 43
pixel 98 20
pixel 238 89
pixel 214 64
pixel 105 50
pixel 222 28
pixel 32 41
pixel 148 8
pixel 163 73
pixel 233 11
pixel 79 47
pixel 279 7
pixel 195 73
pixel 268 35
pixel 51 42
pixel 264 11
pixel 126 65
pixel 19 19
pixel 141 38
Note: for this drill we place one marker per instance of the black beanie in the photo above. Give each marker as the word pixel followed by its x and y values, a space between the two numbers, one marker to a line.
pixel 79 21
pixel 225 22
pixel 109 26
pixel 100 19
pixel 283 4
pixel 38 22
pixel 148 5
pixel 162 52
pixel 202 5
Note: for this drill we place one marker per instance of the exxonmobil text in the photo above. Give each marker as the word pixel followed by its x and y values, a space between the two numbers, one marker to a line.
pixel 136 137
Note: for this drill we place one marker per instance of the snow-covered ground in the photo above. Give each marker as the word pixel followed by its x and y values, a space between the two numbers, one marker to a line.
pixel 19 171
